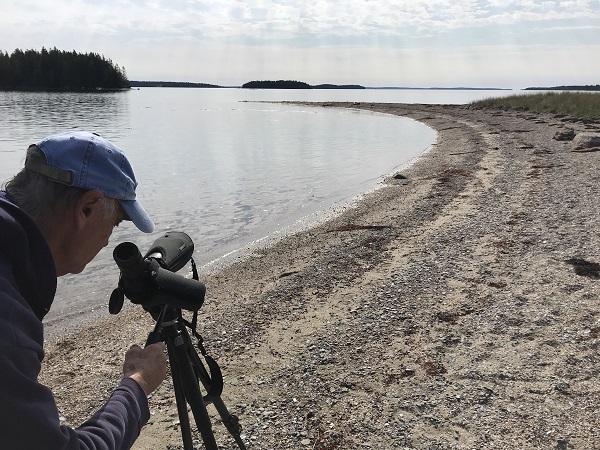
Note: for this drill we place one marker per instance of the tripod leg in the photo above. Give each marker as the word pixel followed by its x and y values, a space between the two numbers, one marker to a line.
pixel 189 386
pixel 230 421
pixel 184 419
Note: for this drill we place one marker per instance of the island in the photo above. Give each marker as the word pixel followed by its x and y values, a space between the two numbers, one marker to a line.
pixel 177 84
pixel 57 70
pixel 566 88
pixel 290 84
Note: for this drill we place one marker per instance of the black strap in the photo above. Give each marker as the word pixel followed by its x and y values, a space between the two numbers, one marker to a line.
pixel 216 376
pixel 216 379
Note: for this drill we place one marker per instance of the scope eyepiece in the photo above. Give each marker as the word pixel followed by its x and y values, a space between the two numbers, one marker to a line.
pixel 129 259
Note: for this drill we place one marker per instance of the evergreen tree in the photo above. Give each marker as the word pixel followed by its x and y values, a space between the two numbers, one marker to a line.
pixel 59 70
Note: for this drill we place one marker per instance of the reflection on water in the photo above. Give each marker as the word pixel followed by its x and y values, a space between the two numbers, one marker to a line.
pixel 224 170
pixel 30 116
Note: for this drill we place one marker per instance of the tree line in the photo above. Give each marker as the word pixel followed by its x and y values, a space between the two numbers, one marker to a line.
pixel 59 70
pixel 175 84
pixel 292 84
pixel 279 84
pixel 587 87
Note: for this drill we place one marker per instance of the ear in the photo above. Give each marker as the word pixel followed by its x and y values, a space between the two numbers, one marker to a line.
pixel 87 207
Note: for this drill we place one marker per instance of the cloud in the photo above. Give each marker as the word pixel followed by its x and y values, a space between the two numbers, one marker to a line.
pixel 277 19
pixel 394 42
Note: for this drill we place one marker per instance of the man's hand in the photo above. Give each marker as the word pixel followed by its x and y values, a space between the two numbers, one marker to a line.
pixel 147 366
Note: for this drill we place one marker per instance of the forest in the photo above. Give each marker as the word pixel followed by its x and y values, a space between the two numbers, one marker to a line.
pixel 57 70
pixel 292 84
pixel 279 84
pixel 587 87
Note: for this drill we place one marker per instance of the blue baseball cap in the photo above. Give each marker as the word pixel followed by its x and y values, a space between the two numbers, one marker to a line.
pixel 90 162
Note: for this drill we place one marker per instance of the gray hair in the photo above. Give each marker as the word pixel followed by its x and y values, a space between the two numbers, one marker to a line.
pixel 40 197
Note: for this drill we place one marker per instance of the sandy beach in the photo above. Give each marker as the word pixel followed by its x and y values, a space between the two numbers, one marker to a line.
pixel 456 307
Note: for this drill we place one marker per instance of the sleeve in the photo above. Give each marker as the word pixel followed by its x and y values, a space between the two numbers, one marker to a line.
pixel 118 423
pixel 29 418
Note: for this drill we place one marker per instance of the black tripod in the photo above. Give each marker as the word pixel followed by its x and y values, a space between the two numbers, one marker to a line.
pixel 152 283
pixel 187 372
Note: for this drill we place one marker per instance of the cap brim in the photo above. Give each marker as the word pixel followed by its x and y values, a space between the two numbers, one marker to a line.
pixel 136 213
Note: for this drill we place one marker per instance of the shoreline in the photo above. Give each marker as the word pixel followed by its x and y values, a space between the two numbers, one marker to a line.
pixel 440 309
pixel 291 206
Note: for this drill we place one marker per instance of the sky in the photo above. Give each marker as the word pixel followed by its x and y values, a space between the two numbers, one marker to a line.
pixel 374 43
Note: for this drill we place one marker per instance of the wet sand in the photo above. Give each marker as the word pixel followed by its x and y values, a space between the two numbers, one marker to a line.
pixel 455 307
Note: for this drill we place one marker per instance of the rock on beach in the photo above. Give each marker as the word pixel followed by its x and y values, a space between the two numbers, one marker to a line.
pixel 586 142
pixel 456 307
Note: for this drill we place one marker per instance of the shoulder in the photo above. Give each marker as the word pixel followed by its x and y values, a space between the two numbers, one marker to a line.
pixel 26 263
pixel 14 225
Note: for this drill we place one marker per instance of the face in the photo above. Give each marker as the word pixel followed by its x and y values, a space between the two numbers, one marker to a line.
pixel 90 237
pixel 98 234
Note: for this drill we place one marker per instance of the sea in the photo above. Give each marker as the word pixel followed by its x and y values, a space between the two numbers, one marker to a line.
pixel 233 168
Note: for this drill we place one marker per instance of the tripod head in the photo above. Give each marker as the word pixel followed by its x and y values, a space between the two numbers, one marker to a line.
pixel 150 281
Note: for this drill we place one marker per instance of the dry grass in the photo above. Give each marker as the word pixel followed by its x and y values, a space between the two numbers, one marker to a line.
pixel 577 104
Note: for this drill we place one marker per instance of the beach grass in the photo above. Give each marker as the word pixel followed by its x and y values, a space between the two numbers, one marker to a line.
pixel 576 104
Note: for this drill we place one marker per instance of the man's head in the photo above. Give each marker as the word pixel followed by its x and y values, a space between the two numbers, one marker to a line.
pixel 77 186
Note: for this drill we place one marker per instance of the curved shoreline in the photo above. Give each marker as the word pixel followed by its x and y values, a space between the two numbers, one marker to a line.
pixel 280 205
pixel 442 309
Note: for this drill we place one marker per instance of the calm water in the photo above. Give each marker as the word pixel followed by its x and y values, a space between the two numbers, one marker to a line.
pixel 218 165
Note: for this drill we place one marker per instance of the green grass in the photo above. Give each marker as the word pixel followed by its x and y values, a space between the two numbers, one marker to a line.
pixel 576 104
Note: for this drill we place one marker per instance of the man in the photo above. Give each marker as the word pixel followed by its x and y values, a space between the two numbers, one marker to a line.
pixel 56 214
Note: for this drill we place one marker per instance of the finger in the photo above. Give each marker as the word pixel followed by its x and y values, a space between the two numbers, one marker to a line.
pixel 160 345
